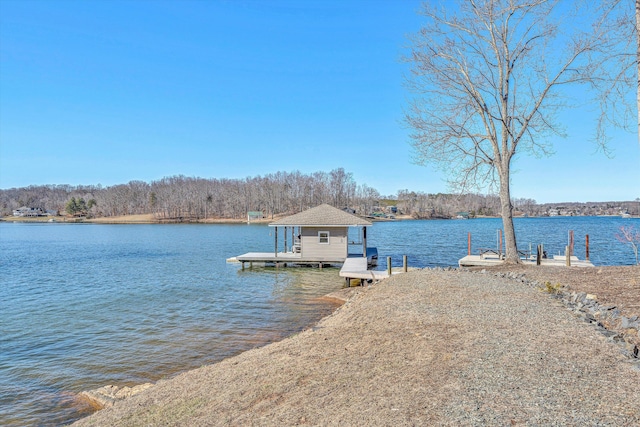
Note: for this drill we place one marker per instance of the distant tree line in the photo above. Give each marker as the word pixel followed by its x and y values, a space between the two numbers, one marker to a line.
pixel 181 198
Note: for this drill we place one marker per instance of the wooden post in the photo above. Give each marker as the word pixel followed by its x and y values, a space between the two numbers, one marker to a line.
pixel 571 242
pixel 539 255
pixel 587 247
pixel 469 243
pixel 364 242
pixel 389 265
pixel 567 256
pixel 285 239
pixel 275 253
pixel 404 263
pixel 242 265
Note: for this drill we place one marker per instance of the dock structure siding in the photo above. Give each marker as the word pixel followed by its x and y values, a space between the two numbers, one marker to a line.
pixel 335 248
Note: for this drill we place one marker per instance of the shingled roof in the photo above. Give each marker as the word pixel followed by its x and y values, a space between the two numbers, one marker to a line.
pixel 323 215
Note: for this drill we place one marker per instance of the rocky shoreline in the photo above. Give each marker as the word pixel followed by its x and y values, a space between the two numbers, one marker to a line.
pixel 607 319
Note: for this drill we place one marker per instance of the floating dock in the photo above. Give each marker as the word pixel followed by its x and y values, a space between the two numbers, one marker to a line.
pixel 493 260
pixel 488 257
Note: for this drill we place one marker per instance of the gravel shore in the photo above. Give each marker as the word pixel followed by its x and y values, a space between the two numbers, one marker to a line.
pixel 427 347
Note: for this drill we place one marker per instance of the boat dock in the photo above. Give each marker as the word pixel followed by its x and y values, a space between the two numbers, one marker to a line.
pixel 493 260
pixel 488 257
pixel 283 259
pixel 319 237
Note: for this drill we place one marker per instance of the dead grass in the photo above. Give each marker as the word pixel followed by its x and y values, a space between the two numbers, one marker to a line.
pixel 422 348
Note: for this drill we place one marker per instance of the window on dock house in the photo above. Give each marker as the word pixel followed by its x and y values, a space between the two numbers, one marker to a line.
pixel 323 237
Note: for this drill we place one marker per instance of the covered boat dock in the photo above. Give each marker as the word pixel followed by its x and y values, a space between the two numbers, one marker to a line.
pixel 318 236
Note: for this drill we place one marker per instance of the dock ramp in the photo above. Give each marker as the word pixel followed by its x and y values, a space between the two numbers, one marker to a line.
pixel 356 268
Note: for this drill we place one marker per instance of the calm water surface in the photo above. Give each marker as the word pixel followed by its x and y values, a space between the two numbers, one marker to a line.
pixel 83 306
pixel 438 243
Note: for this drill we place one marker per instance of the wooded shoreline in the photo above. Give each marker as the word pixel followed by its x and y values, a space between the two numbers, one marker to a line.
pixel 281 193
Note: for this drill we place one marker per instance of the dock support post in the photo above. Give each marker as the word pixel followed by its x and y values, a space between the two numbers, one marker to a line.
pixel 389 265
pixel 469 243
pixel 539 255
pixel 587 247
pixel 404 263
pixel 276 243
pixel 567 255
pixel 571 241
pixel 364 242
pixel 242 265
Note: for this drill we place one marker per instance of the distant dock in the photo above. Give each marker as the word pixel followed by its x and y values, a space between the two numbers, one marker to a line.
pixel 489 261
pixel 488 257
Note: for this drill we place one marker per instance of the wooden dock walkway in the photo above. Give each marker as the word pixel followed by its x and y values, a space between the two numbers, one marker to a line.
pixel 493 260
pixel 283 259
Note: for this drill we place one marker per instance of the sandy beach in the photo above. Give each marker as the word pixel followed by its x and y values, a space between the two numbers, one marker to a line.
pixel 429 347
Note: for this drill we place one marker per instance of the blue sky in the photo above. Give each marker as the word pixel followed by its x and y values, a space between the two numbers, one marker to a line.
pixel 105 92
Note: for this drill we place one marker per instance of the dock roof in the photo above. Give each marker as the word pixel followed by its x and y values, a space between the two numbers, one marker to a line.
pixel 322 216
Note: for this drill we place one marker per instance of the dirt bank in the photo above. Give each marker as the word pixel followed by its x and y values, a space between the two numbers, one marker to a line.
pixel 423 348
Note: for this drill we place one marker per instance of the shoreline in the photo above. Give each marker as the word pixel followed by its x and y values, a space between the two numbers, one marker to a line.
pixel 94 400
pixel 229 390
pixel 150 219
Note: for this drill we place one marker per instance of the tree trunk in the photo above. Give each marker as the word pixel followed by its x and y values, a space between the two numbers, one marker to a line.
pixel 507 218
pixel 638 62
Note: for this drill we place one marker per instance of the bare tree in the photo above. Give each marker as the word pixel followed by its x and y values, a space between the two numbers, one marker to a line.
pixel 637 28
pixel 489 77
pixel 629 236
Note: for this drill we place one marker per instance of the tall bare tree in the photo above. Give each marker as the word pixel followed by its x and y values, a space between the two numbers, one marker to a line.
pixel 638 62
pixel 489 77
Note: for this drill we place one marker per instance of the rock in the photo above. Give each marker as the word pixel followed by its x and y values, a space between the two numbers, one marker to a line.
pixel 591 296
pixel 106 396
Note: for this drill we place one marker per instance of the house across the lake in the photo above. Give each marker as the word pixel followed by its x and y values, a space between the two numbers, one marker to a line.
pixel 28 212
pixel 318 236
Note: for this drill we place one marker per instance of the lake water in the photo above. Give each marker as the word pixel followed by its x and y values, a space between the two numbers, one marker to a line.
pixel 83 305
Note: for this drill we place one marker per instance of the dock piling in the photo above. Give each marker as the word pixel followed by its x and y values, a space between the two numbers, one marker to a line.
pixel 587 247
pixel 404 263
pixel 469 243
pixel 571 242
pixel 389 265
pixel 567 255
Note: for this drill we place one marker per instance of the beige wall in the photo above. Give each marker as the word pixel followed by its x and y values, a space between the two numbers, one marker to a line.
pixel 336 249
